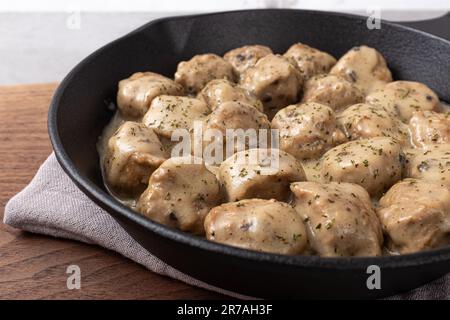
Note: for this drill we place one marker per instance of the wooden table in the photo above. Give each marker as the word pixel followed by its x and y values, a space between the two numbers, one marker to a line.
pixel 34 266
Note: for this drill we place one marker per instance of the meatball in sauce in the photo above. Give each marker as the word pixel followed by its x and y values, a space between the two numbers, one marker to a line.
pixel 300 153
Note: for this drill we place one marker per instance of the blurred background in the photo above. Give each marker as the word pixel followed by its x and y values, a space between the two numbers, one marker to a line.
pixel 40 41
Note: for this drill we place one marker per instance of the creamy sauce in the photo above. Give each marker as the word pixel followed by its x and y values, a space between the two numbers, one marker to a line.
pixel 338 194
pixel 312 168
pixel 117 120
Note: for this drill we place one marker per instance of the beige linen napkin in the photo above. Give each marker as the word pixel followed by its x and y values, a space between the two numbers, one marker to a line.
pixel 76 217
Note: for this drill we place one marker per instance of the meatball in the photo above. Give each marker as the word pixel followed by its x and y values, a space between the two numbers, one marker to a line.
pixel 405 97
pixel 168 113
pixel 375 164
pixel 333 91
pixel 256 224
pixel 365 67
pixel 431 164
pixel 363 121
pixel 180 194
pixel 194 74
pixel 136 93
pixel 245 57
pixel 309 60
pixel 235 116
pixel 339 219
pixel 132 154
pixel 275 80
pixel 220 90
pixel 428 128
pixel 307 130
pixel 415 215
pixel 259 173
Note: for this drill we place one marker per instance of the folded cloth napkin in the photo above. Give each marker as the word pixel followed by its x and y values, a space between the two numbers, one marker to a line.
pixel 77 217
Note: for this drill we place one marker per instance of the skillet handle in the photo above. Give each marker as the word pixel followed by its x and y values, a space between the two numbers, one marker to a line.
pixel 439 26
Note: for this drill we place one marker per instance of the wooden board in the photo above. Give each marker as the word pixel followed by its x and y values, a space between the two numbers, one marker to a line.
pixel 34 266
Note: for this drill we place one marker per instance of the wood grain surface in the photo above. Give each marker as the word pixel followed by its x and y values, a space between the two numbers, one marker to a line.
pixel 34 266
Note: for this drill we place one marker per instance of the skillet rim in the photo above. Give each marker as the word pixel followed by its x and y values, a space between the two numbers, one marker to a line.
pixel 107 202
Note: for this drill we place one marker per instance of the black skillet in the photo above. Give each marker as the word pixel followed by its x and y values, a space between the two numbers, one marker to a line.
pixel 79 112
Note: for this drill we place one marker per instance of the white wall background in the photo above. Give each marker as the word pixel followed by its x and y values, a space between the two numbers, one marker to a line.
pixel 212 5
pixel 40 41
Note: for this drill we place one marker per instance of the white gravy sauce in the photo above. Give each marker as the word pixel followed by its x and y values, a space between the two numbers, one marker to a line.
pixel 312 167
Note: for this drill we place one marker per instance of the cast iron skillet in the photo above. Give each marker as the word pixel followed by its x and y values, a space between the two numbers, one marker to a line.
pixel 79 112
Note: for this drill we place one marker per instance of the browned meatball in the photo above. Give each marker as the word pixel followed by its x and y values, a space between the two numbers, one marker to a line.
pixel 363 121
pixel 169 113
pixel 405 97
pixel 339 219
pixel 234 116
pixel 375 164
pixel 365 67
pixel 132 154
pixel 180 194
pixel 415 215
pixel 309 60
pixel 275 80
pixel 307 130
pixel 259 173
pixel 219 91
pixel 194 74
pixel 333 91
pixel 256 224
pixel 136 93
pixel 428 128
pixel 245 57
